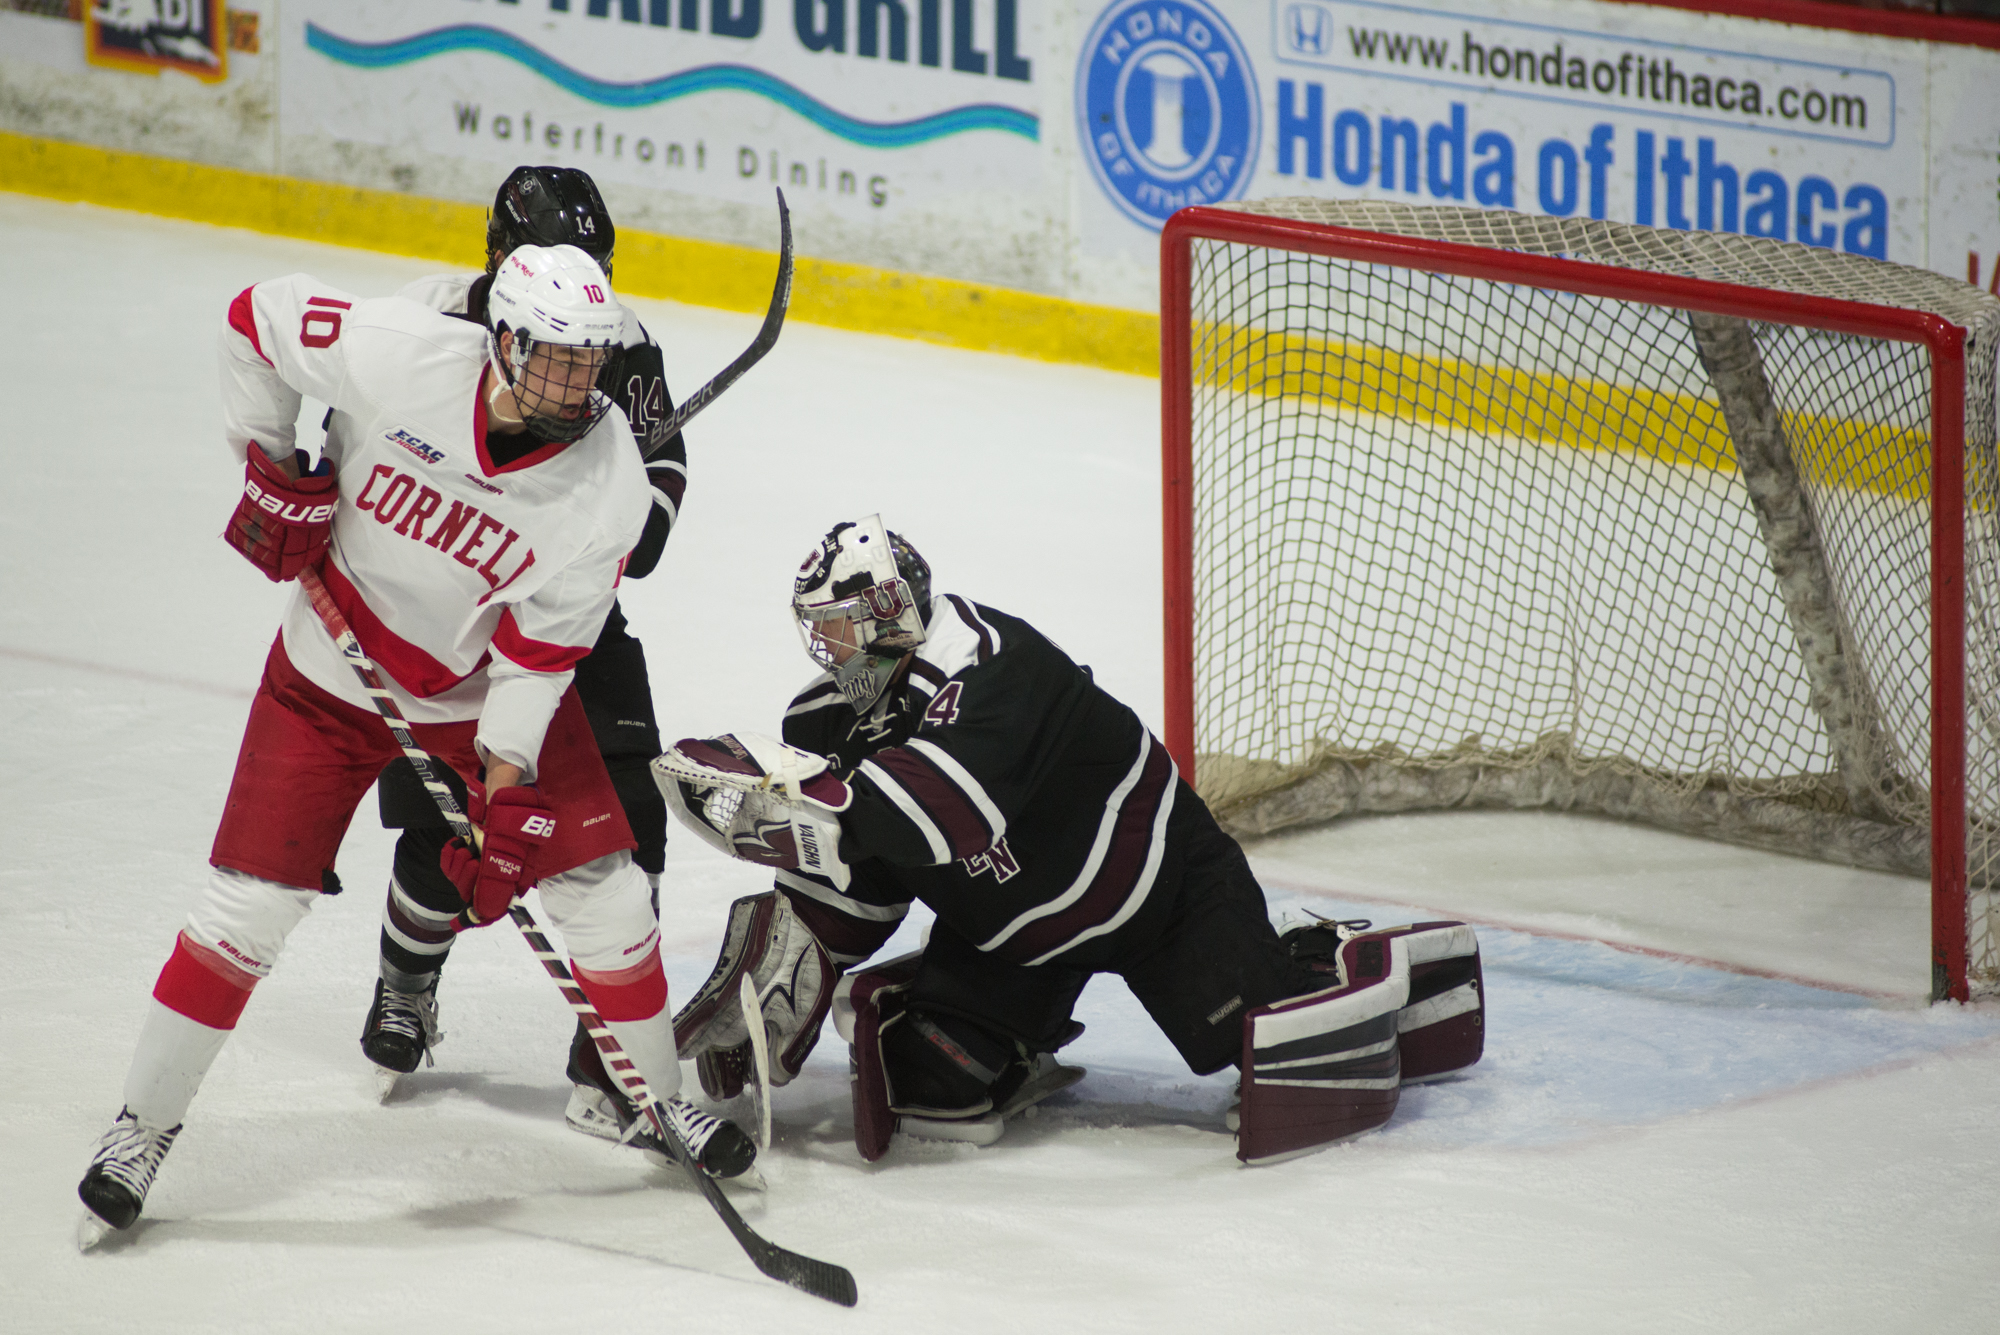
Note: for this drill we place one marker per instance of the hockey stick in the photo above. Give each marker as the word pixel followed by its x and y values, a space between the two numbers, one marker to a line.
pixel 767 338
pixel 822 1279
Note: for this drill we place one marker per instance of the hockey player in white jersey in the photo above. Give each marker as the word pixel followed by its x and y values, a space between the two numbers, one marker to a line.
pixel 470 515
pixel 539 206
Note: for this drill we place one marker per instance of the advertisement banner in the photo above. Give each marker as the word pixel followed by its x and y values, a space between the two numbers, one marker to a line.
pixel 1567 108
pixel 147 36
pixel 894 126
pixel 1040 147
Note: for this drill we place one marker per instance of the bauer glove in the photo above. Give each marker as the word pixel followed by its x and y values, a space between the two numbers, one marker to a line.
pixel 282 526
pixel 515 822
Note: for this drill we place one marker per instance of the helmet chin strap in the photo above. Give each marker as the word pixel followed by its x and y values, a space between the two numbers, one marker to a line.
pixel 502 408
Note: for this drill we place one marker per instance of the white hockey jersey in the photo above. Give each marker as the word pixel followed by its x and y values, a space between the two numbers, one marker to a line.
pixel 475 586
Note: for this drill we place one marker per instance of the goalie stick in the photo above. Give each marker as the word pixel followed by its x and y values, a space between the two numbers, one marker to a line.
pixel 767 338
pixel 822 1279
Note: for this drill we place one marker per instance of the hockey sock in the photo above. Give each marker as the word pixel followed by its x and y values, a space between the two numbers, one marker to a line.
pixel 173 1055
pixel 232 938
pixel 650 1045
pixel 417 914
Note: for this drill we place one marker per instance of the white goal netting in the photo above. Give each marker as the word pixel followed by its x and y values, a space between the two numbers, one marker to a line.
pixel 1461 542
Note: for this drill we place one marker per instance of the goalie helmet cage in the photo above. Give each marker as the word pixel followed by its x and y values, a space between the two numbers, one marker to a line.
pixel 1468 508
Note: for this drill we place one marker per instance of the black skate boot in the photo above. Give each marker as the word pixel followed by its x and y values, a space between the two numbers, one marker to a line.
pixel 128 1155
pixel 717 1144
pixel 401 1029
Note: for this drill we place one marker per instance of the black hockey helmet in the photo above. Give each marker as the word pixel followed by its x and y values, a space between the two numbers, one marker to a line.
pixel 549 206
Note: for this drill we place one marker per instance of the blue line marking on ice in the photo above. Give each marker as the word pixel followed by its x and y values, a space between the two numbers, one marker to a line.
pixel 685 83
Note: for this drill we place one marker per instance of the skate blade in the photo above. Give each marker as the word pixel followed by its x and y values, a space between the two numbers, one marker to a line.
pixel 385 1083
pixel 90 1230
pixel 984 1130
pixel 750 1179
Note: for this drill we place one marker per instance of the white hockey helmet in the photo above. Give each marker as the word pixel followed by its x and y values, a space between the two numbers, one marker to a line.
pixel 552 297
pixel 862 601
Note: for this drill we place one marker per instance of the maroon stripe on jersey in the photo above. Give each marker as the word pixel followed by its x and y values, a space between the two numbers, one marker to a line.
pixel 414 670
pixel 243 319
pixel 844 936
pixel 534 655
pixel 1117 876
pixel 985 640
pixel 965 831
pixel 929 672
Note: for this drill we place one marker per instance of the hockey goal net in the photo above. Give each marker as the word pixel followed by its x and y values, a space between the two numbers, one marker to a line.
pixel 1476 509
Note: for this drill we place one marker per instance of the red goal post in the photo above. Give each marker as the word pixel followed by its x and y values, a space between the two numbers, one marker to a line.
pixel 1375 419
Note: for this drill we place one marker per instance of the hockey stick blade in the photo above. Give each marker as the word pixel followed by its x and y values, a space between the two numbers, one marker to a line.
pixel 822 1279
pixel 767 338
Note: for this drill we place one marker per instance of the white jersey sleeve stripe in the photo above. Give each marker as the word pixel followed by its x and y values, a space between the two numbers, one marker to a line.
pixel 962 778
pixel 812 888
pixel 893 790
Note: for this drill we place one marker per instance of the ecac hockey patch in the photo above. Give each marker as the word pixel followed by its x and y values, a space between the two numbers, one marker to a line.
pixel 430 454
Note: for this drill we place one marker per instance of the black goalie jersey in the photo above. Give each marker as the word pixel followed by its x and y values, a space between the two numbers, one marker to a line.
pixel 995 782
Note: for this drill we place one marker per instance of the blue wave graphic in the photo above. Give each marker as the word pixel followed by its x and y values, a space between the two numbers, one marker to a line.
pixel 702 79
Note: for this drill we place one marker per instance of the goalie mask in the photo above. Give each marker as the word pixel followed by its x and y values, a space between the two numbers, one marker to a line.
pixel 862 600
pixel 566 322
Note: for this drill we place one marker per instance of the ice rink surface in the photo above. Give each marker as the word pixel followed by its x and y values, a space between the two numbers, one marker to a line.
pixel 1711 1100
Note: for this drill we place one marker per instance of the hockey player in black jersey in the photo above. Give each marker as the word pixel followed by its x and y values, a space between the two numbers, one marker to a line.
pixel 538 206
pixel 950 753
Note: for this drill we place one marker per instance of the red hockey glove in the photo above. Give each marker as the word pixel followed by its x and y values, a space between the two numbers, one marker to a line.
pixel 282 526
pixel 516 820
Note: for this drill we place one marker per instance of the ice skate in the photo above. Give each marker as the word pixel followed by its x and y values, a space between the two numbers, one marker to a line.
pixel 400 1031
pixel 718 1145
pixel 121 1172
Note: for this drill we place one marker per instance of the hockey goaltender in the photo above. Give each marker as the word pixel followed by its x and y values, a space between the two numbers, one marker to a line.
pixel 951 754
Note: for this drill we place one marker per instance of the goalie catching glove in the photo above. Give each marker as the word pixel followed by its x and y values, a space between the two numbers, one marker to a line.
pixel 758 799
pixel 794 979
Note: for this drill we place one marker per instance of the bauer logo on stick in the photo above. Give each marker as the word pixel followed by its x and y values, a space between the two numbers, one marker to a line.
pixel 1167 107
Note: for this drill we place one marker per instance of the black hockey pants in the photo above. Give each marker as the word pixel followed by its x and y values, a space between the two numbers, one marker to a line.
pixel 1200 953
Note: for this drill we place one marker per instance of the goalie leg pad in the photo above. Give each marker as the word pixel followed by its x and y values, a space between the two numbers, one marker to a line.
pixel 1442 1028
pixel 864 1000
pixel 1325 1066
pixel 793 976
